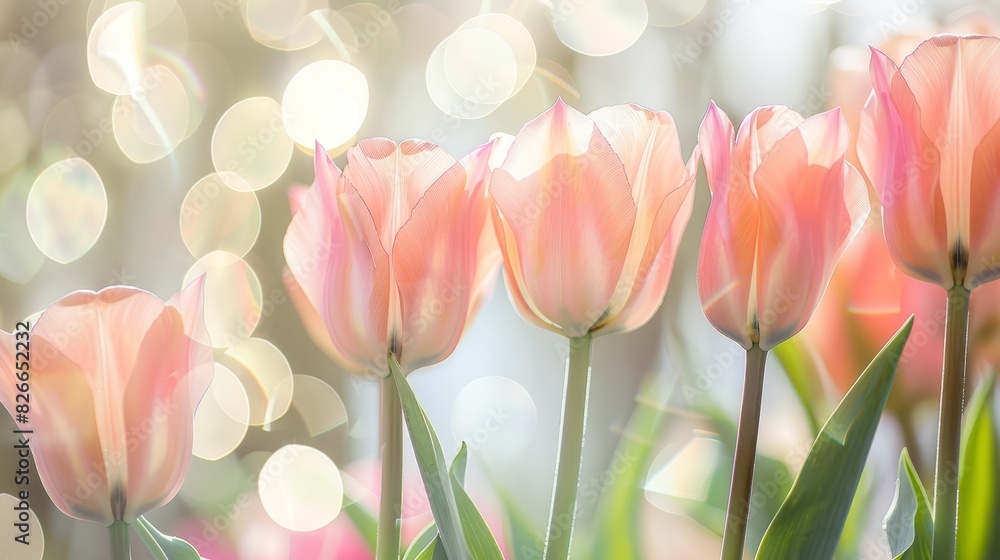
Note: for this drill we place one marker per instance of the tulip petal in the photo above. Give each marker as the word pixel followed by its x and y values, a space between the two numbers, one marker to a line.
pixel 649 148
pixel 984 254
pixel 956 83
pixel 66 444
pixel 390 179
pixel 311 320
pixel 810 209
pixel 566 203
pixel 479 166
pixel 653 274
pixel 902 164
pixel 169 378
pixel 758 133
pixel 729 239
pixel 344 279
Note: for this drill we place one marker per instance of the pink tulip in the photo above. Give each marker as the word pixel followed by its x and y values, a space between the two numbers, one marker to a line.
pixel 115 379
pixel 394 254
pixel 929 142
pixel 785 204
pixel 856 315
pixel 590 211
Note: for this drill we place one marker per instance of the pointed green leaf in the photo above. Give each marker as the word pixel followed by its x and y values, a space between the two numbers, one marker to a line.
pixel 909 525
pixel 803 375
pixel 432 466
pixel 978 487
pixel 480 540
pixel 810 520
pixel 421 542
pixel 164 547
pixel 364 521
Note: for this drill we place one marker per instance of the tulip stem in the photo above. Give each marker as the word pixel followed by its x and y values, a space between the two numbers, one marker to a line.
pixel 738 512
pixel 390 507
pixel 576 393
pixel 120 549
pixel 956 345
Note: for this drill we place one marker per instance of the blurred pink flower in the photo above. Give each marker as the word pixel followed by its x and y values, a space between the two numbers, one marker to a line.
pixel 394 254
pixel 857 316
pixel 785 205
pixel 928 141
pixel 590 211
pixel 115 379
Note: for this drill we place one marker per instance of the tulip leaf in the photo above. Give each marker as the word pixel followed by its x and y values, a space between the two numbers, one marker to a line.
pixel 364 521
pixel 803 375
pixel 979 489
pixel 616 531
pixel 164 547
pixel 811 518
pixel 424 540
pixel 432 466
pixel 909 524
pixel 477 535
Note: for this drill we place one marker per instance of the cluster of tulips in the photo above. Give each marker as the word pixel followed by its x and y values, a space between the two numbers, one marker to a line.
pixel 390 258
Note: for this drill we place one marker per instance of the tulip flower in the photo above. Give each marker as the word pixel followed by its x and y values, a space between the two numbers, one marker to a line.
pixel 393 255
pixel 114 380
pixel 929 142
pixel 785 205
pixel 589 213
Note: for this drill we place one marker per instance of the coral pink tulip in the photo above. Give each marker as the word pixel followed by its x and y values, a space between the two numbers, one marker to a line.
pixel 785 204
pixel 115 379
pixel 394 254
pixel 930 135
pixel 591 210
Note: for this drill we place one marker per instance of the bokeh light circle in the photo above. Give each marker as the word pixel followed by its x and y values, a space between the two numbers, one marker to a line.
pixel 66 210
pixel 301 488
pixel 284 24
pixel 220 213
pixel 233 298
pixel 326 101
pixel 267 378
pixel 223 416
pixel 116 48
pixel 600 27
pixel 36 541
pixel 319 405
pixel 250 141
pixel 494 416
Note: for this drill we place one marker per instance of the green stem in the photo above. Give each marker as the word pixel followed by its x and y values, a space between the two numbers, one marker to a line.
pixel 390 507
pixel 576 393
pixel 956 345
pixel 738 512
pixel 118 532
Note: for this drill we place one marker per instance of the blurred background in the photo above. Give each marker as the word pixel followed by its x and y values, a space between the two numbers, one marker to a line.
pixel 147 143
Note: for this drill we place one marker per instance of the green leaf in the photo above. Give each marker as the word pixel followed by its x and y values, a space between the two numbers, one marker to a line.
pixel 909 524
pixel 424 540
pixel 481 542
pixel 616 529
pixel 364 521
pixel 978 488
pixel 810 520
pixel 164 547
pixel 432 466
pixel 803 375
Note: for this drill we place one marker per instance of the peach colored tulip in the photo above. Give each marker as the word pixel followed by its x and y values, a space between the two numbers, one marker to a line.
pixel 928 142
pixel 115 379
pixel 590 210
pixel 394 254
pixel 785 204
pixel 856 314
